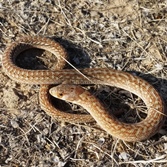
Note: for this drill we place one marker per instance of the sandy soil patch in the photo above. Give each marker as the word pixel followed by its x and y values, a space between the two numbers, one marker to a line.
pixel 125 35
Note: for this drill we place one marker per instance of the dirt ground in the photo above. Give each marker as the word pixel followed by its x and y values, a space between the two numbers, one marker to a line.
pixel 126 35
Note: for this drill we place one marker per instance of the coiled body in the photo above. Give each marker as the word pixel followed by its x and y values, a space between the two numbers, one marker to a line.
pixel 128 132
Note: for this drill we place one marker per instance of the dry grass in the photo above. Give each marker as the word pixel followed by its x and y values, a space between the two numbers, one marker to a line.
pixel 125 35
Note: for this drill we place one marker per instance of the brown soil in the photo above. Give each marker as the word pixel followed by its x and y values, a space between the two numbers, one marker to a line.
pixel 125 35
